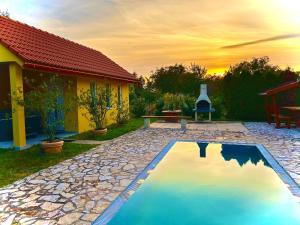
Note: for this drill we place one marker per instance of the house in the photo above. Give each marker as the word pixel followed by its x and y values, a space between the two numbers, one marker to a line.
pixel 26 52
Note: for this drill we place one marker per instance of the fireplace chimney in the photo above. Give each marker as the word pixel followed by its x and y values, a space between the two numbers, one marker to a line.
pixel 203 103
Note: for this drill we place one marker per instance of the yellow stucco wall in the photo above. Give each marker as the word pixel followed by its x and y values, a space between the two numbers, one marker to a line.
pixel 8 56
pixel 71 111
pixel 83 84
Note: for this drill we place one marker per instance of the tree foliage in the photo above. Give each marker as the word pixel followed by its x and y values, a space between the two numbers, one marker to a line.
pixel 4 13
pixel 96 103
pixel 177 79
pixel 244 81
pixel 43 99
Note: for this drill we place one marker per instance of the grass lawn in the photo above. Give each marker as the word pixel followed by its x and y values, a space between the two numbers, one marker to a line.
pixel 15 165
pixel 113 131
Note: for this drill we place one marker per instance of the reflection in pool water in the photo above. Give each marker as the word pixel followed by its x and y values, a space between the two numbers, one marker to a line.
pixel 229 152
pixel 211 184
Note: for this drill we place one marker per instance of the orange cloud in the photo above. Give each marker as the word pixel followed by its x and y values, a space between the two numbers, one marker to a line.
pixel 275 38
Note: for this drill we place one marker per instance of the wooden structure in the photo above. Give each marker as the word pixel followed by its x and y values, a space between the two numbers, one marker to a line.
pixel 273 109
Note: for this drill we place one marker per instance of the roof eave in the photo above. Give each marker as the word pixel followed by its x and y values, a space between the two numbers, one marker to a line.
pixel 65 71
pixel 281 88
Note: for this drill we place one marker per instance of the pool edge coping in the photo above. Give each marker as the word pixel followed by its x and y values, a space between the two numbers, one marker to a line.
pixel 115 205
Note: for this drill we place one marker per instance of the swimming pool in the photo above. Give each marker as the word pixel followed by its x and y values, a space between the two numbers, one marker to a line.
pixel 209 184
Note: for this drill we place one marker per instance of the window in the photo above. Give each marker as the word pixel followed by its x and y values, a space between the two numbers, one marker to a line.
pixel 108 95
pixel 120 95
pixel 93 90
pixel 93 87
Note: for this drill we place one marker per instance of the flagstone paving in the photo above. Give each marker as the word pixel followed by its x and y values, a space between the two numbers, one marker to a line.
pixel 77 190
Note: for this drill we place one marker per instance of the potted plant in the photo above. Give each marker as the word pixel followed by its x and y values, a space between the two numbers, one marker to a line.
pixel 43 99
pixel 96 103
pixel 172 106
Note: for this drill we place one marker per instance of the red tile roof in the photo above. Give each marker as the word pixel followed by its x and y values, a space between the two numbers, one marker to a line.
pixel 45 51
pixel 281 88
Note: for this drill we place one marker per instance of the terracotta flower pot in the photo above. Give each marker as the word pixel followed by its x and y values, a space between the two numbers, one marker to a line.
pixel 100 131
pixel 52 147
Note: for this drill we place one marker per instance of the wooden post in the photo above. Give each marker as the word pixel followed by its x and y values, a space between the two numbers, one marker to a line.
pixel 268 110
pixel 275 111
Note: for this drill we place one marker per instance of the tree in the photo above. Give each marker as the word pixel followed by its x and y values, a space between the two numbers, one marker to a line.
pixel 96 102
pixel 198 70
pixel 178 79
pixel 4 13
pixel 43 99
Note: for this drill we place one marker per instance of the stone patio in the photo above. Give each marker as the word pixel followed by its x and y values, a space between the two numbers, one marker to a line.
pixel 76 191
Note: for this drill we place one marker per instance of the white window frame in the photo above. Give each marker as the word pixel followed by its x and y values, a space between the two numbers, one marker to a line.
pixel 108 89
pixel 120 96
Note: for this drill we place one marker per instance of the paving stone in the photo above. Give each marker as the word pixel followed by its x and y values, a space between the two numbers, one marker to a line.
pixel 5 191
pixel 90 178
pixel 90 217
pixel 49 206
pixel 125 182
pixel 69 218
pixel 49 198
pixel 32 204
pixel 67 195
pixel 44 222
pixel 62 186
pixel 9 220
pixel 27 221
pixel 37 182
pixel 103 178
pixel 31 198
pixel 68 207
pixel 128 167
pixel 18 194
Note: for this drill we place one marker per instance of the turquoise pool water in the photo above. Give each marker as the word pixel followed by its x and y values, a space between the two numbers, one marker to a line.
pixel 209 184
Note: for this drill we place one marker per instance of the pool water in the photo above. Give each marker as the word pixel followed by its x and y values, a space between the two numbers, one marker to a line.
pixel 210 184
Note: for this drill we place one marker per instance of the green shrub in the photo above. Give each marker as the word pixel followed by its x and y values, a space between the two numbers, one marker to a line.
pixel 122 113
pixel 159 106
pixel 218 105
pixel 168 101
pixel 138 107
pixel 173 101
pixel 188 105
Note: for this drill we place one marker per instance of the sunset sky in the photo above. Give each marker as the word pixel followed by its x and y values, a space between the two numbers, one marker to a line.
pixel 142 35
